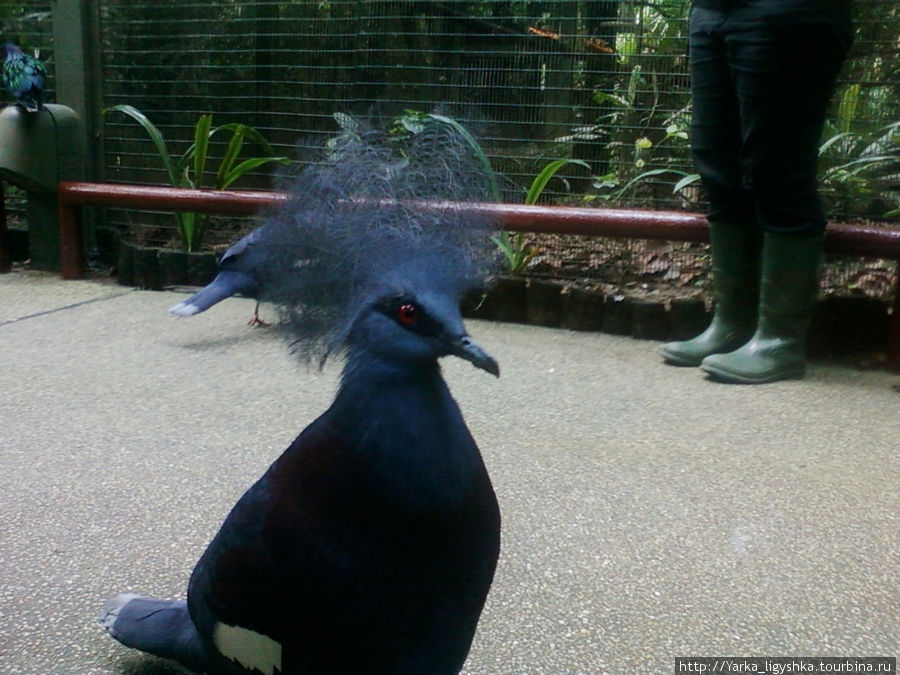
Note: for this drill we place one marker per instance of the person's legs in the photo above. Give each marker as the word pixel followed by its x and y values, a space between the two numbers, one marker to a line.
pixel 784 57
pixel 734 237
pixel 716 129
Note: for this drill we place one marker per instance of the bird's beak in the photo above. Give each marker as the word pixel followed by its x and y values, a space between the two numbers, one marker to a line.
pixel 465 348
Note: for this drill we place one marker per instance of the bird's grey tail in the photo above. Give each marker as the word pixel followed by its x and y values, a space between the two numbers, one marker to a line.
pixel 159 627
pixel 203 299
pixel 226 284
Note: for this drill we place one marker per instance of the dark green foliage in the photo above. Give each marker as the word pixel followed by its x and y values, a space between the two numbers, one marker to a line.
pixel 604 82
pixel 188 170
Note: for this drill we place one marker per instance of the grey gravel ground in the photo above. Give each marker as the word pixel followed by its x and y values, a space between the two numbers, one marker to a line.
pixel 648 513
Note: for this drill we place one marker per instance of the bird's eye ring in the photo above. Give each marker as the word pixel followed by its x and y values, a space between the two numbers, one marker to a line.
pixel 407 314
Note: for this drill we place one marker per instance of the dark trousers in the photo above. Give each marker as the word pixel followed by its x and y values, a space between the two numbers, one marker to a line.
pixel 762 74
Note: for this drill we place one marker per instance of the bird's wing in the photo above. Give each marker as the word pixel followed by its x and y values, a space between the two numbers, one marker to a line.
pixel 237 274
pixel 35 71
pixel 14 73
pixel 274 548
pixel 24 74
pixel 237 250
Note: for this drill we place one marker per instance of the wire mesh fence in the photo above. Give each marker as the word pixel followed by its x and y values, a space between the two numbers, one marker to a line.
pixel 539 80
pixel 604 82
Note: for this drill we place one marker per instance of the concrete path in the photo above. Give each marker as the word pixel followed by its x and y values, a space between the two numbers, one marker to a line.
pixel 648 513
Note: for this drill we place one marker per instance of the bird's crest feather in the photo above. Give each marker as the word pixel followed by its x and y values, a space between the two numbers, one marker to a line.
pixel 374 206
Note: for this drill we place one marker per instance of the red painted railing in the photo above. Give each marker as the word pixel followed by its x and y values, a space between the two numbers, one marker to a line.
pixel 846 238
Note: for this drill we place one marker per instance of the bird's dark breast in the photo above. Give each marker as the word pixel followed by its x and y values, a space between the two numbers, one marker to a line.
pixel 332 557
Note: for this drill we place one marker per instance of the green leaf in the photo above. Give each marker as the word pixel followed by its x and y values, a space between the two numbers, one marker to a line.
pixel 188 171
pixel 862 163
pixel 602 97
pixel 607 180
pixel 201 148
pixel 836 139
pixel 249 133
pixel 540 181
pixel 648 174
pixel 188 223
pixel 231 153
pixel 634 82
pixel 689 179
pixel 185 178
pixel 626 46
pixel 674 131
pixel 504 244
pixel 155 136
pixel 247 166
pixel 847 108
pixel 513 247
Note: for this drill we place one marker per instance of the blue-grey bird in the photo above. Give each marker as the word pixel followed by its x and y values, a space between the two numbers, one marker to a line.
pixel 24 77
pixel 370 545
pixel 240 269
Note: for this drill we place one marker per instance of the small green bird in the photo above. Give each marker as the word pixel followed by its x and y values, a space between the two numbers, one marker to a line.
pixel 24 77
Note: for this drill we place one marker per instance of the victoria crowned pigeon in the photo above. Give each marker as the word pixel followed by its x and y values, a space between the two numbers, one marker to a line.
pixel 239 273
pixel 370 545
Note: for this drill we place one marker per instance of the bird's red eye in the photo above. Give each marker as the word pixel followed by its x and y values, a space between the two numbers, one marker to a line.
pixel 408 314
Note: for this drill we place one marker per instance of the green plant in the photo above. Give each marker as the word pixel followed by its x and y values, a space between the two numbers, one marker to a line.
pixel 860 170
pixel 867 182
pixel 514 247
pixel 190 168
pixel 615 185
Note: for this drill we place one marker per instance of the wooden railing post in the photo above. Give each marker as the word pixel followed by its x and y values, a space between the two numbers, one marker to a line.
pixel 5 254
pixel 71 241
pixel 893 347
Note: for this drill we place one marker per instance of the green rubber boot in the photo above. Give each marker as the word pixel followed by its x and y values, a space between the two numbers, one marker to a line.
pixel 788 290
pixel 735 270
